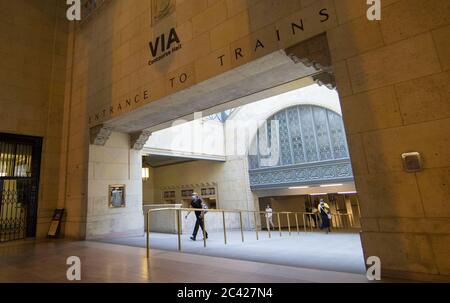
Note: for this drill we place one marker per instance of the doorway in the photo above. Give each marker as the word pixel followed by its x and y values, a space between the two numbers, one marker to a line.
pixel 20 158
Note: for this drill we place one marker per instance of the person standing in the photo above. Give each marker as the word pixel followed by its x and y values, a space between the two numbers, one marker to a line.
pixel 325 215
pixel 269 215
pixel 198 204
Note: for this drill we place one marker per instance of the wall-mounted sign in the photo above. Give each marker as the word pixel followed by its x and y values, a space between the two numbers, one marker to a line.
pixel 412 162
pixel 164 45
pixel 117 196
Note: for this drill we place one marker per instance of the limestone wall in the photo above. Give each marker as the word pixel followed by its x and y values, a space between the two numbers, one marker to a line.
pixel 393 83
pixel 114 164
pixel 392 78
pixel 33 51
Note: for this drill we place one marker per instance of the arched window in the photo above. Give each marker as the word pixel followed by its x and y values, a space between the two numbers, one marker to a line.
pixel 309 146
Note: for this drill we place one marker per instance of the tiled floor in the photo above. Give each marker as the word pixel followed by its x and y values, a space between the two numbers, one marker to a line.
pixel 103 262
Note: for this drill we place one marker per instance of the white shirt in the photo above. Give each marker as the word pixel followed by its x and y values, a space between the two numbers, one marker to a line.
pixel 269 213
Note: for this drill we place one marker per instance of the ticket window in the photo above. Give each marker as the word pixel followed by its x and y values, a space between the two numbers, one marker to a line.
pixel 186 197
pixel 168 197
pixel 211 202
pixel 209 195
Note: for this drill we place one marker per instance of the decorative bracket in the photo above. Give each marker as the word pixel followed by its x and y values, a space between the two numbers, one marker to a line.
pixel 139 139
pixel 315 53
pixel 327 79
pixel 99 134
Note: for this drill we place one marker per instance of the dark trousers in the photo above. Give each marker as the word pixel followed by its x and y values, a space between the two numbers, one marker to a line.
pixel 325 222
pixel 199 223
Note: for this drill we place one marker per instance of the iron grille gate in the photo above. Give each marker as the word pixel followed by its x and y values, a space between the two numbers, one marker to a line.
pixel 20 158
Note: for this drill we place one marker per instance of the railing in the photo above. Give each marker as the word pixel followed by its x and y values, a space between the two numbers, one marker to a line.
pixel 311 221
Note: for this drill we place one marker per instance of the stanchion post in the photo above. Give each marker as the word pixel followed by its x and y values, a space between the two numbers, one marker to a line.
pixel 204 228
pixel 242 230
pixel 289 223
pixel 296 223
pixel 317 220
pixel 148 234
pixel 256 225
pixel 178 213
pixel 279 224
pixel 224 228
pixel 304 222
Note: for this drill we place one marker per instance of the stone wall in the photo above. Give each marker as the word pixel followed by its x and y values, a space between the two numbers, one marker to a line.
pixel 393 81
pixel 33 49
pixel 392 78
pixel 114 164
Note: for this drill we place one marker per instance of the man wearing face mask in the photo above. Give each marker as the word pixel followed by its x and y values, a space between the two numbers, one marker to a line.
pixel 197 203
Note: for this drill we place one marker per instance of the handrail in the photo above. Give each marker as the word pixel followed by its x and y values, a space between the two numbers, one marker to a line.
pixel 223 211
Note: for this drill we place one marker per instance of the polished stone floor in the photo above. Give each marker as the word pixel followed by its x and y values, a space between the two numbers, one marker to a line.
pixel 336 251
pixel 105 262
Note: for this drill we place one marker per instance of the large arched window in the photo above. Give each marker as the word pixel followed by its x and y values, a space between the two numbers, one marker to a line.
pixel 310 148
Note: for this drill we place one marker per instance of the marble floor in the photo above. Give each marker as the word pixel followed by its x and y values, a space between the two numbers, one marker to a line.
pixel 105 262
pixel 336 251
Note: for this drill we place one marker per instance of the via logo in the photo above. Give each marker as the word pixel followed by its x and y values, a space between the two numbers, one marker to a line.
pixel 374 271
pixel 374 11
pixel 164 42
pixel 73 273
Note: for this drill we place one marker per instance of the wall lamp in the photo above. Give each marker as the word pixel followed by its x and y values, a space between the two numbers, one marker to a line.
pixel 145 173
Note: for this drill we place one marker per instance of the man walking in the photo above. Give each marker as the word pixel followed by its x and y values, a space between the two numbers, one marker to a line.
pixel 198 203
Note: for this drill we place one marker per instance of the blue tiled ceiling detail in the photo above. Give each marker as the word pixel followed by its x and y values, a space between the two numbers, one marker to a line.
pixel 312 149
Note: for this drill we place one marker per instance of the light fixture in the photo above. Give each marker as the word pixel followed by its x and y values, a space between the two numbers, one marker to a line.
pixel 331 185
pixel 318 194
pixel 299 187
pixel 145 173
pixel 347 192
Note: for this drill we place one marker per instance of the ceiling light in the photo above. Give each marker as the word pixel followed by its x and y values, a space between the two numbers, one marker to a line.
pixel 331 185
pixel 299 187
pixel 319 194
pixel 347 192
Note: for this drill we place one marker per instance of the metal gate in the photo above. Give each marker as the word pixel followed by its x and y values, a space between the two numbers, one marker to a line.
pixel 20 158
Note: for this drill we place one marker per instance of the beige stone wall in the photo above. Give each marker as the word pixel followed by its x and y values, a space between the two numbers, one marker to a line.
pixel 392 78
pixel 33 51
pixel 393 82
pixel 112 50
pixel 114 163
